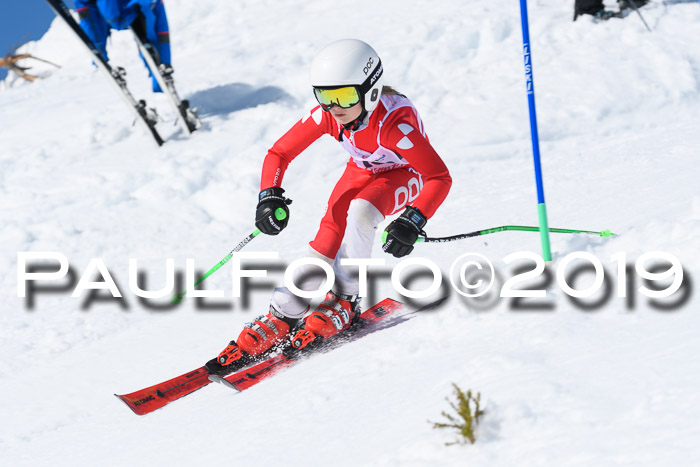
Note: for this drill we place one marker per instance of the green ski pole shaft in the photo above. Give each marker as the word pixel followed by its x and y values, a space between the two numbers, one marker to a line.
pixel 280 214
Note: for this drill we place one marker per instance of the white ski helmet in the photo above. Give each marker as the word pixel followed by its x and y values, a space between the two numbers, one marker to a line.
pixel 349 62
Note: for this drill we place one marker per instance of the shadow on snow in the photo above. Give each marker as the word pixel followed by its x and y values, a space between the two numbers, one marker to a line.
pixel 228 98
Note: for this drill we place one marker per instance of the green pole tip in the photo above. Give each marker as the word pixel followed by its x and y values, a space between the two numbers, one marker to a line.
pixel 385 234
pixel 280 214
pixel 606 233
pixel 177 299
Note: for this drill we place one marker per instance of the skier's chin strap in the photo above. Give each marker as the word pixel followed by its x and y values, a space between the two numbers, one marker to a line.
pixel 352 126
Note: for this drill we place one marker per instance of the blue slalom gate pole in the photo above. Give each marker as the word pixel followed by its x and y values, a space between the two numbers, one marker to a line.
pixel 529 81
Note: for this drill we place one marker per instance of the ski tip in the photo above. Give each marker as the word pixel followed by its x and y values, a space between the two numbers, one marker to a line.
pixel 607 233
pixel 133 409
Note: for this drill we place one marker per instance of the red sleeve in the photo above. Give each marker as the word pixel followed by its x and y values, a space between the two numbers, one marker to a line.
pixel 402 134
pixel 307 130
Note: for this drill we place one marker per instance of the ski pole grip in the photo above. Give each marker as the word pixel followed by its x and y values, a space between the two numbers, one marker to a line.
pixel 385 234
pixel 280 214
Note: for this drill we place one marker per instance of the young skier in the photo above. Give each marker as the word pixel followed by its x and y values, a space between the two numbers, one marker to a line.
pixel 392 167
pixel 147 17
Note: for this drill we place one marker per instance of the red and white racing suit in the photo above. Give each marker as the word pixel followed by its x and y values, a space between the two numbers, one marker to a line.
pixel 392 165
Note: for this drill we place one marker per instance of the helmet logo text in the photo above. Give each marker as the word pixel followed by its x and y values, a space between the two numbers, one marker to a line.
pixel 376 76
pixel 368 67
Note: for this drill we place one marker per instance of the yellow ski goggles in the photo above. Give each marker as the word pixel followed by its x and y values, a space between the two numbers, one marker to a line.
pixel 344 97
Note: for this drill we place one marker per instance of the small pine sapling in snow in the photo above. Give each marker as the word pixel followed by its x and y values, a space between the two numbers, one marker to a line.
pixel 467 416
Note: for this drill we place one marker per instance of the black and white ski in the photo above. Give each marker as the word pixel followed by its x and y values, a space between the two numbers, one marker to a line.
pixel 147 117
pixel 189 120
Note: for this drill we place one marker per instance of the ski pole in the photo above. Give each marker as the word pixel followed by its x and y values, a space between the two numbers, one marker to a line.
pixel 280 214
pixel 634 5
pixel 522 228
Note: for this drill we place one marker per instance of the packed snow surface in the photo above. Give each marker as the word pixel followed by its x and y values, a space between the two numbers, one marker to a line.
pixel 615 383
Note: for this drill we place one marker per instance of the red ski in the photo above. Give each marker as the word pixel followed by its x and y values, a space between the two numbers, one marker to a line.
pixel 251 376
pixel 149 399
pixel 152 398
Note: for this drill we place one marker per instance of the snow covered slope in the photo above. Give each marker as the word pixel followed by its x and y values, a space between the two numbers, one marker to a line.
pixel 617 108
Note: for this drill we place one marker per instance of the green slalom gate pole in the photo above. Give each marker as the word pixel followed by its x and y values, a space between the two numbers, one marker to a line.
pixel 280 214
pixel 529 81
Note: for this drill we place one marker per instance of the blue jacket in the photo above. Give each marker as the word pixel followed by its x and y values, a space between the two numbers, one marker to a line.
pixel 98 17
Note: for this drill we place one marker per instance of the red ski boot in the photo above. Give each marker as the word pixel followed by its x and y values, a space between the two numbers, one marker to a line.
pixel 334 314
pixel 257 337
pixel 265 332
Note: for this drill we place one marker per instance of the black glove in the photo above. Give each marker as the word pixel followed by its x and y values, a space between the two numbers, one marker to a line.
pixel 272 213
pixel 403 232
